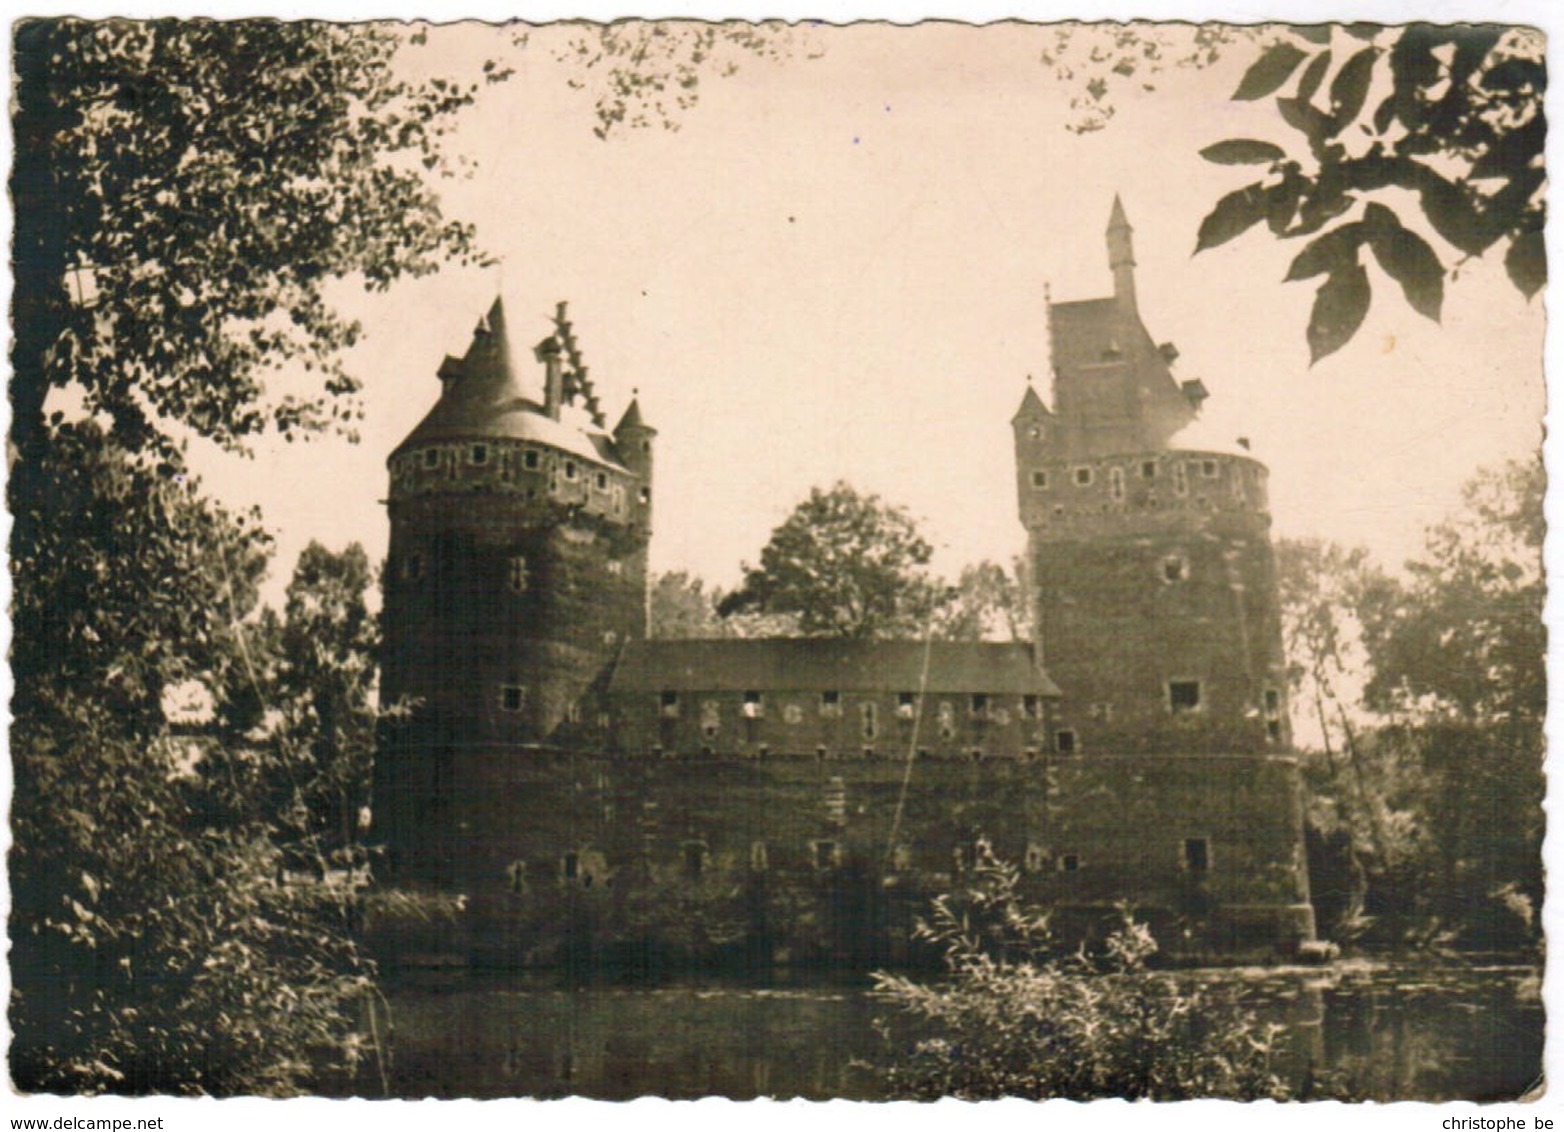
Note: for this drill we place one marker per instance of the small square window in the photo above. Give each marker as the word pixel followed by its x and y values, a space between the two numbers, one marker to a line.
pixel 1273 730
pixel 513 697
pixel 1083 477
pixel 1040 480
pixel 413 567
pixel 646 495
pixel 826 854
pixel 1197 854
pixel 530 459
pixel 754 705
pixel 1031 707
pixel 1148 470
pixel 906 705
pixel 478 454
pixel 1069 863
pixel 1036 857
pixel 1175 568
pixel 979 705
pixel 831 704
pixel 1183 696
pixel 431 457
pixel 1208 469
pixel 668 705
pixel 1064 741
pixel 1273 701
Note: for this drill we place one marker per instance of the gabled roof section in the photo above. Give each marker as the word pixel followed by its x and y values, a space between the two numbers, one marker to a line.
pixel 818 664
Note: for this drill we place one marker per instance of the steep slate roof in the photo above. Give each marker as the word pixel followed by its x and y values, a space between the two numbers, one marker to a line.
pixel 481 399
pixel 827 664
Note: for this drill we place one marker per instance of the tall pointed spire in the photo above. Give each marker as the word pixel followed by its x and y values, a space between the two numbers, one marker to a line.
pixel 1121 255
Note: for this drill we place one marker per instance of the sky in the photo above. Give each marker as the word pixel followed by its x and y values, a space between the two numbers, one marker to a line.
pixel 837 267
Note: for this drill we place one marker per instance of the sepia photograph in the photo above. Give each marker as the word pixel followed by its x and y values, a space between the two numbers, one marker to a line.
pixel 782 559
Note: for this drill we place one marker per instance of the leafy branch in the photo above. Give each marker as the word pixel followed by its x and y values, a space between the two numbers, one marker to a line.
pixel 1451 117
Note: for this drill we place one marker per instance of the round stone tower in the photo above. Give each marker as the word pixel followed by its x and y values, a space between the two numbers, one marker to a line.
pixel 516 573
pixel 1154 581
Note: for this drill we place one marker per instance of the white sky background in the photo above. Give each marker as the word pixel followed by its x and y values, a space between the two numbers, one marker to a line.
pixel 836 268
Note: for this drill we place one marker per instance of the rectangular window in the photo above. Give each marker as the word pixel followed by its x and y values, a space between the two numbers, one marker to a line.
pixel 871 719
pixel 669 705
pixel 1208 469
pixel 1197 854
pixel 1031 707
pixel 1148 470
pixel 759 859
pixel 694 858
pixel 1040 480
pixel 1273 701
pixel 530 460
pixel 754 705
pixel 1116 484
pixel 1069 863
pixel 906 704
pixel 1183 696
pixel 478 454
pixel 1083 477
pixel 831 704
pixel 979 706
pixel 570 469
pixel 413 567
pixel 573 712
pixel 826 854
pixel 1036 857
pixel 1064 741
pixel 570 866
pixel 431 457
pixel 513 697
pixel 1273 730
pixel 601 481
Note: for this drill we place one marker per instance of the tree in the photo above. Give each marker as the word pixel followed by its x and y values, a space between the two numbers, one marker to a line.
pixel 847 564
pixel 1465 640
pixel 987 603
pixel 1456 124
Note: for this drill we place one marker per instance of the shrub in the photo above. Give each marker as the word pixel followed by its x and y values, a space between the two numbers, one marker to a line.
pixel 1015 1018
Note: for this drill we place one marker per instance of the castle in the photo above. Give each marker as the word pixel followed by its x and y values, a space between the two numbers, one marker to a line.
pixel 596 792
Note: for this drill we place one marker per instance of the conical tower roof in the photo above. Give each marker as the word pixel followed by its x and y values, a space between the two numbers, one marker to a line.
pixel 481 399
pixel 633 419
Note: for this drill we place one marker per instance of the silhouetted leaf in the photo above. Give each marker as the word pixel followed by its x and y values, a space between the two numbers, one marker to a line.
pixel 1314 33
pixel 1350 87
pixel 1312 74
pixel 1235 213
pixel 1527 263
pixel 1406 257
pixel 1339 307
pixel 1452 215
pixel 1281 201
pixel 1377 218
pixel 1331 254
pixel 1363 30
pixel 1513 150
pixel 1269 72
pixel 1311 121
pixel 1243 151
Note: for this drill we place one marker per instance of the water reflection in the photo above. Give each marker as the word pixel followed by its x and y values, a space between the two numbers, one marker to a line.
pixel 1388 1033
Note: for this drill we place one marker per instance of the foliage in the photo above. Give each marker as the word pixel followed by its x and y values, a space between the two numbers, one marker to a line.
pixel 1448 117
pixel 1465 640
pixel 151 953
pixel 683 608
pixel 1013 1018
pixel 987 603
pixel 1432 690
pixel 127 581
pixel 847 564
pixel 651 71
pixel 185 191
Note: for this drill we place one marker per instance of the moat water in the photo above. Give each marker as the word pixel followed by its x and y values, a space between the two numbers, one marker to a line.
pixel 1395 1032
